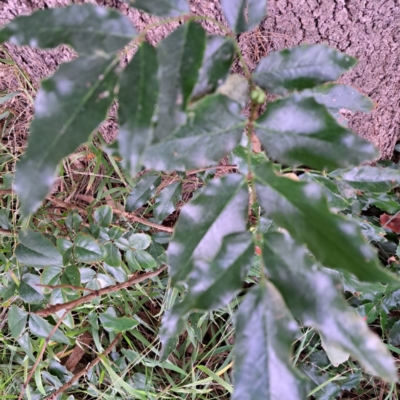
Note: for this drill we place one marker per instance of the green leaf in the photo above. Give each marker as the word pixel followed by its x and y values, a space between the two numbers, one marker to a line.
pixel 9 96
pixel 87 28
pixel 68 107
pixel 136 241
pixel 103 216
pixel 88 249
pixel 16 321
pixel 213 283
pixel 336 97
pixel 113 255
pixel 73 221
pixel 218 211
pixel 265 331
pixel 213 129
pixel 4 220
pixel 217 61
pixel 312 295
pixel 41 328
pixel 335 241
pixel 143 191
pixel 71 276
pixel 111 323
pixel 384 201
pixel 300 68
pixel 36 251
pixel 180 57
pixel 118 273
pixel 369 179
pixel 335 201
pixel 300 131
pixel 162 8
pixel 244 15
pixel 137 106
pixel 144 259
pixel 166 201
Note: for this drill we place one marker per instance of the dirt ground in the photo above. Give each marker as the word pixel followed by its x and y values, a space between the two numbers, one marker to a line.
pixel 366 29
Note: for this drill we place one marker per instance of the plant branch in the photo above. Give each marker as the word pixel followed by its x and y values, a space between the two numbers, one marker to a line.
pixel 109 289
pixel 40 355
pixel 67 385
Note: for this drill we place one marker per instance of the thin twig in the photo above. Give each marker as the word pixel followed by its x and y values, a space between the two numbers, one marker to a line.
pixel 6 232
pixel 67 385
pixel 66 286
pixel 109 289
pixel 40 355
pixel 195 171
pixel 72 206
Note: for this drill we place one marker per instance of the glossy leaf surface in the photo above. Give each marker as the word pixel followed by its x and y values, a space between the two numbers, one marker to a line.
pixel 37 251
pixel 103 216
pixel 334 240
pixel 217 61
pixel 29 291
pixel 300 68
pixel 166 200
pixel 312 295
pixel 336 97
pixel 88 250
pixel 68 107
pixel 213 284
pixel 265 331
pixel 114 324
pixel 41 328
pixel 213 129
pixel 137 105
pixel 87 28
pixel 16 320
pixel 244 15
pixel 180 56
pixel 162 8
pixel 370 179
pixel 218 211
pixel 300 131
pixel 143 191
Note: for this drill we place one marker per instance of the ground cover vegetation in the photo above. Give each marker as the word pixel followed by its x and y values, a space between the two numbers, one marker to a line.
pixel 222 247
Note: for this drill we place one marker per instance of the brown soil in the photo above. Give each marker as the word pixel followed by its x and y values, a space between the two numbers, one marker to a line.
pixel 368 30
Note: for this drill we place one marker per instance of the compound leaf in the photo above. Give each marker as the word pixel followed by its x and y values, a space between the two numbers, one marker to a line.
pixel 300 68
pixel 336 97
pixel 301 208
pixel 265 331
pixel 162 8
pixel 180 56
pixel 103 216
pixel 166 201
pixel 218 211
pixel 37 251
pixel 244 15
pixel 212 284
pixel 137 105
pixel 88 250
pixel 298 130
pixel 143 191
pixel 217 61
pixel 213 129
pixel 312 295
pixel 87 28
pixel 68 107
pixel 369 179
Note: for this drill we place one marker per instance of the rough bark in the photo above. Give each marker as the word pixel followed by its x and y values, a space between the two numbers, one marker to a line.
pixel 368 30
